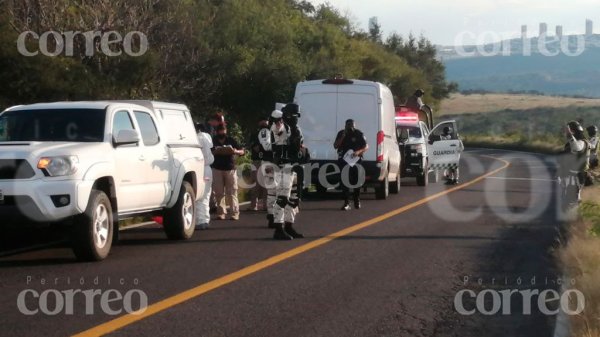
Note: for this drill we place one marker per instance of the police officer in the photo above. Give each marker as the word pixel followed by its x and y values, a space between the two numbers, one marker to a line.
pixel 350 140
pixel 574 163
pixel 267 167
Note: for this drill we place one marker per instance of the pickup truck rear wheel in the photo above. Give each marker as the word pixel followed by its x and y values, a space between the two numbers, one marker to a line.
pixel 179 221
pixel 92 232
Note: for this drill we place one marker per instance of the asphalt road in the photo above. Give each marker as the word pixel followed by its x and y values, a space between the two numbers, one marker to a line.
pixel 395 274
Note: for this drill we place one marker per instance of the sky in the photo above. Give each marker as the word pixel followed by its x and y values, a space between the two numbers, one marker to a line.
pixel 458 22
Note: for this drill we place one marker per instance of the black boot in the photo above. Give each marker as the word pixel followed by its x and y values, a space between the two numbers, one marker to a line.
pixel 280 234
pixel 289 229
pixel 271 221
pixel 357 199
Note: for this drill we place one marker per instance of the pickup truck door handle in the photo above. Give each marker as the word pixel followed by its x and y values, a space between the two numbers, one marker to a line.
pixel 142 158
pixel 453 145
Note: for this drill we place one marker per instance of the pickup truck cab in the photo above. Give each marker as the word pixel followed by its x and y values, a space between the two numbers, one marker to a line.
pixel 413 135
pixel 424 151
pixel 88 165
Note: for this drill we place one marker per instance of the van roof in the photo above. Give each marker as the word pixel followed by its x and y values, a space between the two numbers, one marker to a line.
pixel 354 82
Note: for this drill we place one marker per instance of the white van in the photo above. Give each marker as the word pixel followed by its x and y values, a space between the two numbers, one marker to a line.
pixel 327 104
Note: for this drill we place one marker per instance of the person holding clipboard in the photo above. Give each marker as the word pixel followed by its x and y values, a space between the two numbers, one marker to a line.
pixel 350 144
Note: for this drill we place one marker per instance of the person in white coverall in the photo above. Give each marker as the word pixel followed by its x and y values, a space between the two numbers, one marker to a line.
pixel 203 205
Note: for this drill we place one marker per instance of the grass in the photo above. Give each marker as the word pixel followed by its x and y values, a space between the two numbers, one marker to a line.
pixel 512 143
pixel 459 104
pixel 580 260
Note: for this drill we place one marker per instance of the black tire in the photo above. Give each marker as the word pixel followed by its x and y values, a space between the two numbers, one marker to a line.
pixel 423 179
pixel 395 185
pixel 383 190
pixel 180 220
pixel 92 232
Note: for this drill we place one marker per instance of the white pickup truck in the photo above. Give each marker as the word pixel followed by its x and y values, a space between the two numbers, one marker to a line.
pixel 88 165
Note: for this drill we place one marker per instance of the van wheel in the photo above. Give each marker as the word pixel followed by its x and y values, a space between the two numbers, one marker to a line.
pixel 92 232
pixel 179 221
pixel 395 185
pixel 383 190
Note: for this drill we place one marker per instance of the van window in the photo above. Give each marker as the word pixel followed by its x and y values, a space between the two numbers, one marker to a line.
pixel 147 128
pixel 360 107
pixel 319 120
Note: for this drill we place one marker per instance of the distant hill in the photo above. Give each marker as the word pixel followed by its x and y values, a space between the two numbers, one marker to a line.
pixel 459 104
pixel 556 75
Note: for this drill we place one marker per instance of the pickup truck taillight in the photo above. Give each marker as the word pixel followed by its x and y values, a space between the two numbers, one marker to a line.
pixel 380 139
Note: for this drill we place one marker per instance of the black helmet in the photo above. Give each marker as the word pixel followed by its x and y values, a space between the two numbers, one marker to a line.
pixel 446 130
pixel 419 92
pixel 576 130
pixel 592 130
pixel 291 109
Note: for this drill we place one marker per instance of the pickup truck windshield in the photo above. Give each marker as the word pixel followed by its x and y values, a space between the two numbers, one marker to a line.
pixel 410 131
pixel 53 125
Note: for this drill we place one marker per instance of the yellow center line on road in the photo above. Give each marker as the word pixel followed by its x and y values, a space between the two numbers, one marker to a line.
pixel 187 295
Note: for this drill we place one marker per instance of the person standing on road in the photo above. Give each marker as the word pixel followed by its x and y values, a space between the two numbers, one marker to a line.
pixel 258 196
pixel 415 102
pixel 225 182
pixel 203 205
pixel 351 144
pixel 593 138
pixel 288 151
pixel 451 174
pixel 574 163
pixel 212 123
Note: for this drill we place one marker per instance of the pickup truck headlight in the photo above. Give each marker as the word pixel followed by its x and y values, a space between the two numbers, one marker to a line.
pixel 58 166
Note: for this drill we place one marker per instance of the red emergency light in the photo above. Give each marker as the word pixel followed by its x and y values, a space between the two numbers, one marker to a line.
pixel 404 115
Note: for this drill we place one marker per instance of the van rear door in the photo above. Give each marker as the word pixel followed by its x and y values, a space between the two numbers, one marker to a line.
pixel 360 103
pixel 318 104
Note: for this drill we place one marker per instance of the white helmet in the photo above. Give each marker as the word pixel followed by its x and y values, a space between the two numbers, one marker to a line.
pixel 276 114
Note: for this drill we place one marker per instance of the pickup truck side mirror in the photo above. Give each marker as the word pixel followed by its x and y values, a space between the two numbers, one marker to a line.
pixel 126 137
pixel 431 139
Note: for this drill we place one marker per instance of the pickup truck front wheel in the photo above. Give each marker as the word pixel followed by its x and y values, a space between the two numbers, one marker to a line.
pixel 92 232
pixel 179 221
